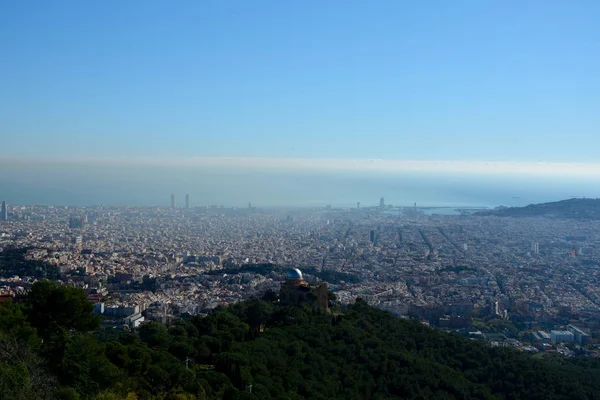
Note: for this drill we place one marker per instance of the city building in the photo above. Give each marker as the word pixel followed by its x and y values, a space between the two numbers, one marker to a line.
pixel 187 201
pixel 540 336
pixel 544 337
pixel 133 246
pixel 4 212
pixel 535 248
pixel 99 308
pixel 134 320
pixel 580 336
pixel 295 291
pixel 77 222
pixel 172 200
pixel 381 202
pixel 562 336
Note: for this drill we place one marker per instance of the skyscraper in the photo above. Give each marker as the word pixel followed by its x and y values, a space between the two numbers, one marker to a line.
pixel 535 248
pixel 357 205
pixel 187 201
pixel 4 212
pixel 381 202
pixel 172 200
pixel 77 222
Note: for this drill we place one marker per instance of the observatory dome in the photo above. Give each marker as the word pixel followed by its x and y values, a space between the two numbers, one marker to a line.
pixel 293 275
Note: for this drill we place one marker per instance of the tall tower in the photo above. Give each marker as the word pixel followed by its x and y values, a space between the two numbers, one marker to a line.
pixel 187 201
pixel 4 212
pixel 535 248
pixel 358 205
pixel 172 200
pixel 381 202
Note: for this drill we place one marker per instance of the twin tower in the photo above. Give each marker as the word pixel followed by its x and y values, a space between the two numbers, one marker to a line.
pixel 174 203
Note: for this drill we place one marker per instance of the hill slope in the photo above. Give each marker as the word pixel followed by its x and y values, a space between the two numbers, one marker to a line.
pixel 259 350
pixel 569 209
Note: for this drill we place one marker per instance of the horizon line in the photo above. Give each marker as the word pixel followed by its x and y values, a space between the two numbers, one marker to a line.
pixel 331 164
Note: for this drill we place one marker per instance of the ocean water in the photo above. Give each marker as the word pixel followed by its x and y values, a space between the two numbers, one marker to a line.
pixel 148 186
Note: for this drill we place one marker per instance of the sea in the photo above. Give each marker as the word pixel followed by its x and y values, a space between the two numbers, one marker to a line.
pixel 152 186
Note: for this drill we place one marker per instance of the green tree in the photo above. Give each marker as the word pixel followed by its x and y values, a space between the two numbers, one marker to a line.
pixel 22 373
pixel 155 334
pixel 14 322
pixel 85 365
pixel 67 393
pixel 258 313
pixel 50 307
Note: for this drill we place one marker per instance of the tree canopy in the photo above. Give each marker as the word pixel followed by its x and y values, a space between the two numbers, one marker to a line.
pixel 260 350
pixel 50 307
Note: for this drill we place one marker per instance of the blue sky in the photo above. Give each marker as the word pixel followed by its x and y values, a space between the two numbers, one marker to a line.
pixel 402 80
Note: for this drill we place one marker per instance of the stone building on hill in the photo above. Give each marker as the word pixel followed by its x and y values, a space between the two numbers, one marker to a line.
pixel 295 291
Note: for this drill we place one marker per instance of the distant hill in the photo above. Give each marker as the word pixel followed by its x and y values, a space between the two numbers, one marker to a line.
pixel 568 209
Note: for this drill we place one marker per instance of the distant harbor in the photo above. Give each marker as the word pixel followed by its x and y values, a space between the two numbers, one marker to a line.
pixel 452 210
pixel 444 210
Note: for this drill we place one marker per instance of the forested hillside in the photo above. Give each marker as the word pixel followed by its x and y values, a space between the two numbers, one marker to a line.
pixel 582 209
pixel 51 347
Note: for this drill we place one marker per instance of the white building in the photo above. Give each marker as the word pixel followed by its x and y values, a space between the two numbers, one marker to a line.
pixel 580 336
pixel 562 336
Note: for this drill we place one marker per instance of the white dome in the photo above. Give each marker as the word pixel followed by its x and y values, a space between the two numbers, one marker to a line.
pixel 293 275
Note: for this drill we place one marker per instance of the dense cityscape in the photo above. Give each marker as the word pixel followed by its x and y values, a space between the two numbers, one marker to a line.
pixel 529 283
pixel 278 200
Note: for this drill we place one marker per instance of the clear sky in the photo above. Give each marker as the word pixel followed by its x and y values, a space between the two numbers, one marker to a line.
pixel 508 80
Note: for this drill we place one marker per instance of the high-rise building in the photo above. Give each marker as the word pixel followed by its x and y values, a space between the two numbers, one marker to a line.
pixel 4 212
pixel 535 248
pixel 381 202
pixel 172 200
pixel 77 221
pixel 358 205
pixel 187 201
pixel 372 236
